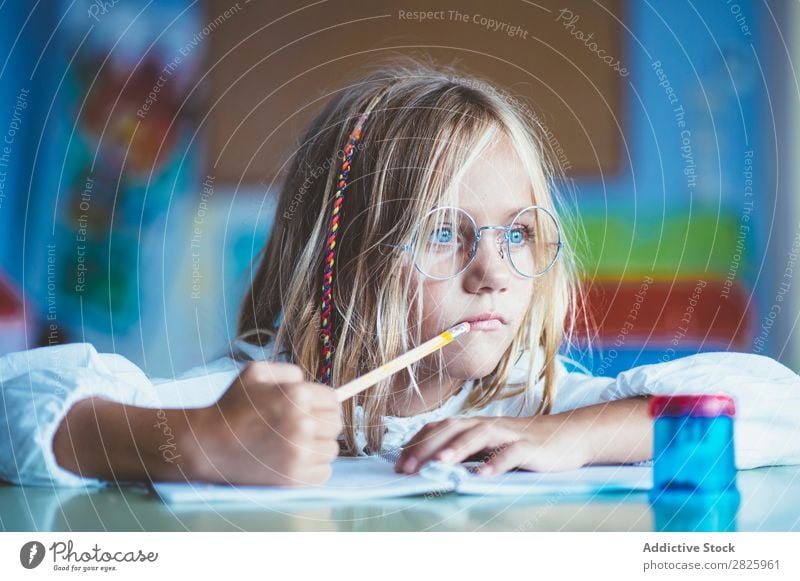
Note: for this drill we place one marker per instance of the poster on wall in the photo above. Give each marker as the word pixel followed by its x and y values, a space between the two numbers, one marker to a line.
pixel 126 150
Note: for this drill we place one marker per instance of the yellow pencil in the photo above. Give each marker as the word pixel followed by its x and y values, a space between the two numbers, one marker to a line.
pixel 359 384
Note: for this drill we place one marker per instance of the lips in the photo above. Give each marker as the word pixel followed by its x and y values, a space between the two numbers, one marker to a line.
pixel 487 321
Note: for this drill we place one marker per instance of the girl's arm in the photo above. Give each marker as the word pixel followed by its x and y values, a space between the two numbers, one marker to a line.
pixel 111 441
pixel 268 428
pixel 617 432
pixel 767 424
pixel 614 432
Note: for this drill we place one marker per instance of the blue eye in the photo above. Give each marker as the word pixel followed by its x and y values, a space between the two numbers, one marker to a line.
pixel 442 235
pixel 518 236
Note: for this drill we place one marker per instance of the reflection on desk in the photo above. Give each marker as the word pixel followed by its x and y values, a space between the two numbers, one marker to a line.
pixel 770 501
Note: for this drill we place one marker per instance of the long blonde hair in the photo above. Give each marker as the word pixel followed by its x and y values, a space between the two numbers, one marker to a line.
pixel 427 124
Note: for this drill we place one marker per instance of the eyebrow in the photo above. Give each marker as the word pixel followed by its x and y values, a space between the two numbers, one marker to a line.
pixel 513 213
pixel 507 216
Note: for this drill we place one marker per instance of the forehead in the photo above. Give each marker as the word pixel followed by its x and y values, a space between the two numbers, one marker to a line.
pixel 496 186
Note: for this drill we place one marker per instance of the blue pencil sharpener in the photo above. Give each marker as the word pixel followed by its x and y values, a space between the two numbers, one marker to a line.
pixel 693 444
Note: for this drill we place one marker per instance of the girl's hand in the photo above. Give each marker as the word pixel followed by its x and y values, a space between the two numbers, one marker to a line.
pixel 270 427
pixel 544 443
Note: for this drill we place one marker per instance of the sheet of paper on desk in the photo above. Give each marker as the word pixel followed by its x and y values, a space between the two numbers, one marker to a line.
pixel 364 478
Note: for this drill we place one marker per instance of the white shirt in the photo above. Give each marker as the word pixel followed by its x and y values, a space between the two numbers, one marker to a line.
pixel 39 386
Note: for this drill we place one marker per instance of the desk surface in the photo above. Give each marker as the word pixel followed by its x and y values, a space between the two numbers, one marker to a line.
pixel 770 501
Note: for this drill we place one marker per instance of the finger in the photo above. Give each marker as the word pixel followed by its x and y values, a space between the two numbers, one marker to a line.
pixel 427 442
pixel 311 396
pixel 511 456
pixel 314 464
pixel 304 396
pixel 323 397
pixel 408 461
pixel 301 405
pixel 267 372
pixel 311 476
pixel 477 439
pixel 324 451
pixel 328 424
pixel 299 425
pixel 319 474
pixel 303 428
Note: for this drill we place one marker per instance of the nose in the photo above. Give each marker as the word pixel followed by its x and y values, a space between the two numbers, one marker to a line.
pixel 490 271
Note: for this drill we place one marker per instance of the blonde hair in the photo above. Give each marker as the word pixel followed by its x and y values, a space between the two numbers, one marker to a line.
pixel 426 125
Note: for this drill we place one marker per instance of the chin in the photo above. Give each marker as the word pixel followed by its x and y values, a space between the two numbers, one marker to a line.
pixel 475 363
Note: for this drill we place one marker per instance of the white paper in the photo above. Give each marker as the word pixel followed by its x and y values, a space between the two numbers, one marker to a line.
pixel 371 477
pixel 361 477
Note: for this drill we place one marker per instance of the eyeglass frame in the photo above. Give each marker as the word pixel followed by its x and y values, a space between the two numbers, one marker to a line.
pixel 409 246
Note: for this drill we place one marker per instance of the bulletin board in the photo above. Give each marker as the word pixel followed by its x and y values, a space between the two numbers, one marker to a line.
pixel 271 64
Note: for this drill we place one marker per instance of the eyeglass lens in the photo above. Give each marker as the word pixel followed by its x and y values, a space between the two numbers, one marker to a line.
pixel 446 242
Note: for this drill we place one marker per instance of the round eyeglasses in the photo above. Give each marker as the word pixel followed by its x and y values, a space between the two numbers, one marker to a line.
pixel 445 242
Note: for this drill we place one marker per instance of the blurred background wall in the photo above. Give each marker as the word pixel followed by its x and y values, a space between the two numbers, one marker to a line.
pixel 142 145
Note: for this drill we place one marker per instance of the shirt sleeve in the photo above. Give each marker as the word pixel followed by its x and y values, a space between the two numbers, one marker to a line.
pixel 199 387
pixel 766 394
pixel 37 389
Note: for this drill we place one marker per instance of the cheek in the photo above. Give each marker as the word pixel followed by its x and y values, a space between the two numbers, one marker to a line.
pixel 438 300
pixel 522 295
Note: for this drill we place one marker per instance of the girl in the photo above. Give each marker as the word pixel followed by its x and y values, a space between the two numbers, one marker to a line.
pixel 435 208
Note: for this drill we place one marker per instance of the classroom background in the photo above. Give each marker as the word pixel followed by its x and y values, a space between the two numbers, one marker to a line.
pixel 142 146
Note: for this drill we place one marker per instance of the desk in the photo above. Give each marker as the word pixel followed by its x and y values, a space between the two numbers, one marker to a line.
pixel 770 501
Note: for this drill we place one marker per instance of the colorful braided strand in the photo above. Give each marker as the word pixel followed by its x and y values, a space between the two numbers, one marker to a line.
pixel 326 319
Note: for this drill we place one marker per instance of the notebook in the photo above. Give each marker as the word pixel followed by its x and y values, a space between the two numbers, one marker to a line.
pixel 371 477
